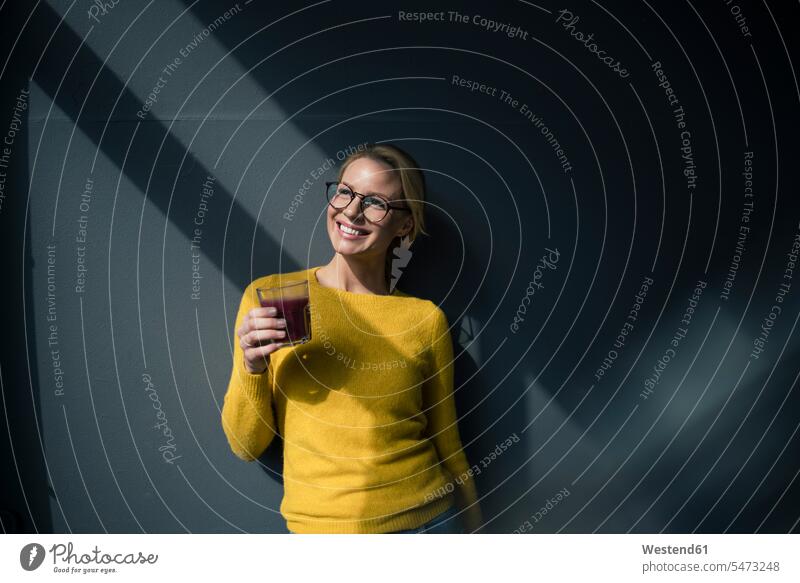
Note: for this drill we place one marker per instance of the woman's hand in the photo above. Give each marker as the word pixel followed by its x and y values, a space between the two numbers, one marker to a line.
pixel 256 335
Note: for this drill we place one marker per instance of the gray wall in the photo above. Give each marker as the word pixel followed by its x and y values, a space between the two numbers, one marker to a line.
pixel 265 99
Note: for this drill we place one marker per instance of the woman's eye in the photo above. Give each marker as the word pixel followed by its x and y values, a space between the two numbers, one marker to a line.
pixel 376 202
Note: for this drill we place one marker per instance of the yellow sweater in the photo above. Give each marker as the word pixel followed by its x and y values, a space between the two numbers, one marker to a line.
pixel 366 410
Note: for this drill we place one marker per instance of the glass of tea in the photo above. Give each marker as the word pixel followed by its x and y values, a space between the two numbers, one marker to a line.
pixel 291 302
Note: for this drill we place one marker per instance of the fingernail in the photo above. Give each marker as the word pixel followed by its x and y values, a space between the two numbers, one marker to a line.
pixel 272 311
pixel 281 322
pixel 282 332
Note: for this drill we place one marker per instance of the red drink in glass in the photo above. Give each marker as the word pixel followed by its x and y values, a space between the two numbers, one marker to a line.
pixel 291 303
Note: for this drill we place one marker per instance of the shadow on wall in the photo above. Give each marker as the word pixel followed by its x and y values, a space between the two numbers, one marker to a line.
pixel 26 496
pixel 26 504
pixel 271 70
pixel 68 91
pixel 486 420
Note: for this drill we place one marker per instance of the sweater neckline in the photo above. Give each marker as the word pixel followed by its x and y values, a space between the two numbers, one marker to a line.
pixel 348 295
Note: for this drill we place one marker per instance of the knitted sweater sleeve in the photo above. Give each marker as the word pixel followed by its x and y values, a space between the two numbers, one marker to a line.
pixel 442 428
pixel 247 417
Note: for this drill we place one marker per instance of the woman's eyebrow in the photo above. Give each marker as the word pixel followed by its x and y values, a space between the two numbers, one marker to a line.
pixel 386 196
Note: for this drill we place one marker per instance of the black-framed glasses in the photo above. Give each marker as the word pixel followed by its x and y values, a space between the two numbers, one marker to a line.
pixel 373 207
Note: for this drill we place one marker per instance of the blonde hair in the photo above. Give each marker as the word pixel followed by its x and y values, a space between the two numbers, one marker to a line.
pixel 411 178
pixel 412 181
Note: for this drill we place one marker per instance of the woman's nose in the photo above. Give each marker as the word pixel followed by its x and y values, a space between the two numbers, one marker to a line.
pixel 352 210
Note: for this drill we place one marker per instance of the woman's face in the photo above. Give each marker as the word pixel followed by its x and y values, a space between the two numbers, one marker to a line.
pixel 367 176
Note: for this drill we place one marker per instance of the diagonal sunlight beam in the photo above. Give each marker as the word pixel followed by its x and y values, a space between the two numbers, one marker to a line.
pixel 180 47
pixel 137 170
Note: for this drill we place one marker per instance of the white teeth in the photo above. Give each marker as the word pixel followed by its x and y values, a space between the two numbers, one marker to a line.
pixel 349 231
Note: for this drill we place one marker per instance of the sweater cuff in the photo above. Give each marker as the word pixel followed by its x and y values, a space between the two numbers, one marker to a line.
pixel 256 386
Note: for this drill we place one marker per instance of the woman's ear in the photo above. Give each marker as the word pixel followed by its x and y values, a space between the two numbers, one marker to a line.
pixel 407 227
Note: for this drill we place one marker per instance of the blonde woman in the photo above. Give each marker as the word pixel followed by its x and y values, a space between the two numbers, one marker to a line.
pixel 365 408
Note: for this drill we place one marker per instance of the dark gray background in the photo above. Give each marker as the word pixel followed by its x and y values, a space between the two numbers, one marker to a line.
pixel 273 92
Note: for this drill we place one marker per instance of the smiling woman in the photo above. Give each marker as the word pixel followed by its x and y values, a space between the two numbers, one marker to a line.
pixel 391 209
pixel 364 446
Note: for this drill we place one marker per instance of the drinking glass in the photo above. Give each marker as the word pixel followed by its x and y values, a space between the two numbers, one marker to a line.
pixel 291 302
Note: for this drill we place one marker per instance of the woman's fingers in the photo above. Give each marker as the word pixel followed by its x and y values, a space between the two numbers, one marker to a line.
pixel 249 324
pixel 262 312
pixel 264 323
pixel 259 352
pixel 260 337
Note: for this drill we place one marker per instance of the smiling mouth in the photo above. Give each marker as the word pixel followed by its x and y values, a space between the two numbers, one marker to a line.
pixel 349 231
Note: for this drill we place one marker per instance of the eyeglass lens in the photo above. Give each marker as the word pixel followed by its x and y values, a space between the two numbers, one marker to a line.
pixel 373 207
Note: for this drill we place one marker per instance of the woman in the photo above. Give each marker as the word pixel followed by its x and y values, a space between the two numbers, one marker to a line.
pixel 365 408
